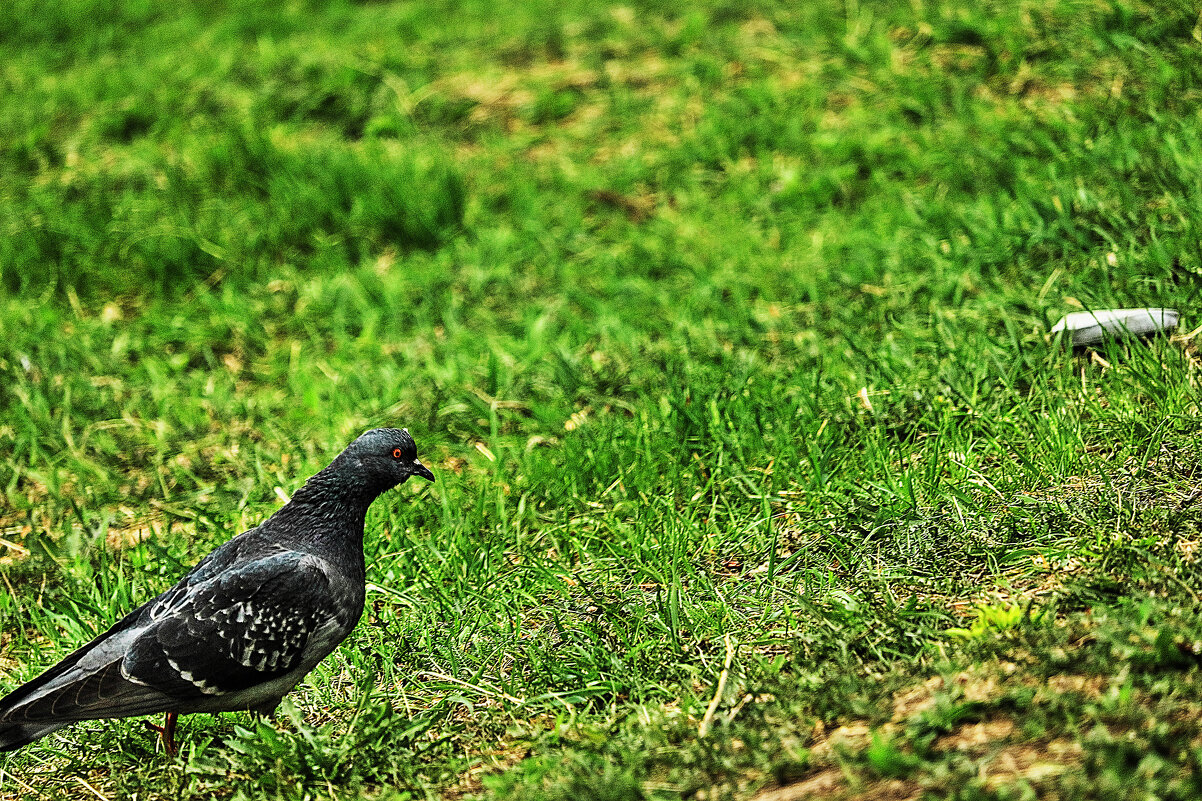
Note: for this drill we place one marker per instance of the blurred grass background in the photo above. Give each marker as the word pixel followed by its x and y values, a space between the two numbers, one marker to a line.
pixel 725 329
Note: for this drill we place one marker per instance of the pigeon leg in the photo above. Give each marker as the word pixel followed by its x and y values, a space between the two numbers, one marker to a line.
pixel 167 732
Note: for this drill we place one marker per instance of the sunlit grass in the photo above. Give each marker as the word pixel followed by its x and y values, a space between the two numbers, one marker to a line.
pixel 726 332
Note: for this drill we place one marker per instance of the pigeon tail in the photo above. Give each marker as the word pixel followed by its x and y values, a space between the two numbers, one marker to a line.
pixel 54 675
pixel 18 735
pixel 86 685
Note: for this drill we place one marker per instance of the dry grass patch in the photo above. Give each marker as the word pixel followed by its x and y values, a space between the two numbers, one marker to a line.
pixel 999 754
pixel 1031 762
pixel 832 784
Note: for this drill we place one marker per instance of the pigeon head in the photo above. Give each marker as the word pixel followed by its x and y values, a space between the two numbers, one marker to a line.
pixel 378 460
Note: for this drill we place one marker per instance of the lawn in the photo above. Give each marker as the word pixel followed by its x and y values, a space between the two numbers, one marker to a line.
pixel 725 328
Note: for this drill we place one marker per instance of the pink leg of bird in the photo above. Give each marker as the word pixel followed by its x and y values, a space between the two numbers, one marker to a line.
pixel 167 732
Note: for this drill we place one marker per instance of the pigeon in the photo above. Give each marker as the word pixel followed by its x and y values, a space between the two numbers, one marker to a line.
pixel 244 626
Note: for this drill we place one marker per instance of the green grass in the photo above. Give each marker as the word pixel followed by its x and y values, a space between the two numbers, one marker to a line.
pixel 726 332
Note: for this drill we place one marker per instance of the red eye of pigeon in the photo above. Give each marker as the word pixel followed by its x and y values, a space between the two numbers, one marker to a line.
pixel 396 453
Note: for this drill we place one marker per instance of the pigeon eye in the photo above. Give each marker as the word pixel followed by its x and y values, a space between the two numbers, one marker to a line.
pixel 396 453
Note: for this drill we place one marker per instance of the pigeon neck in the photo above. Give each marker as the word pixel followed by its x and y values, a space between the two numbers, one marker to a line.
pixel 329 511
pixel 330 490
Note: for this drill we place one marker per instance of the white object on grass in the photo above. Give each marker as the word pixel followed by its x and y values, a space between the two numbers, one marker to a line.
pixel 1088 327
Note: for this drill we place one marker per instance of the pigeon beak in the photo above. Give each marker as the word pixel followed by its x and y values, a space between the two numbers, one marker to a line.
pixel 419 469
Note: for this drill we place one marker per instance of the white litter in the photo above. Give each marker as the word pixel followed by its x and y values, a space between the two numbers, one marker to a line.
pixel 1088 327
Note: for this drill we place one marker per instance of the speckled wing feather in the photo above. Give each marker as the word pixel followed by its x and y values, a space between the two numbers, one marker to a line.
pixel 239 629
pixel 201 644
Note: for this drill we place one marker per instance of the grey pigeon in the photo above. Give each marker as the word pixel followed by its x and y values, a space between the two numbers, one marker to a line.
pixel 245 625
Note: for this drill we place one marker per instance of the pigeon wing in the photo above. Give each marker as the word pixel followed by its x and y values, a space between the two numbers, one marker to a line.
pixel 247 626
pixel 223 635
